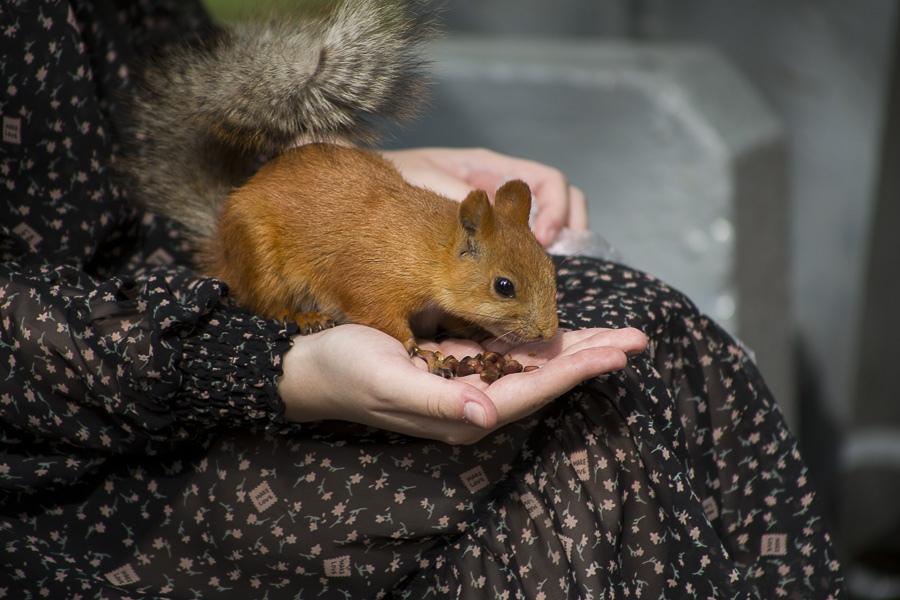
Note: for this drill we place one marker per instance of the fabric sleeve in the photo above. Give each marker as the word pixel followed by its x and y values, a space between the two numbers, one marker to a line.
pixel 112 364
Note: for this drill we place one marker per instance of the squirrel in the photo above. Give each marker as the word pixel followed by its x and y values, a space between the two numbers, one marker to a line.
pixel 324 233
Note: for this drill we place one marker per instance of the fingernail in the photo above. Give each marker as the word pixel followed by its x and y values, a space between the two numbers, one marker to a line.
pixel 474 413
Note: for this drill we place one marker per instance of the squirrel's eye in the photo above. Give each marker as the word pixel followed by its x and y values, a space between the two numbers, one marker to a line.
pixel 504 287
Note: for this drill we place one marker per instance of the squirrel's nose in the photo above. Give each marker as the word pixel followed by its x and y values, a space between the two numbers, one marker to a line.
pixel 549 331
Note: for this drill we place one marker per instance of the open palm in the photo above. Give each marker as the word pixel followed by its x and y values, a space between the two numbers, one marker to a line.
pixel 566 360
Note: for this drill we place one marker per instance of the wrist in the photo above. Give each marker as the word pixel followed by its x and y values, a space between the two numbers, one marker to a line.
pixel 299 387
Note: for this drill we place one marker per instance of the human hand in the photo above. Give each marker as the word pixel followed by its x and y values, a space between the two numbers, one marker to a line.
pixel 454 172
pixel 356 373
pixel 565 361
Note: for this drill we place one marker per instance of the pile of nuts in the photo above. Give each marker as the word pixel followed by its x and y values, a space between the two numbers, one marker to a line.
pixel 491 366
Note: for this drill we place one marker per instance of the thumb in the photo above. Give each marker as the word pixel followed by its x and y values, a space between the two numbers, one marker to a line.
pixel 523 393
pixel 425 394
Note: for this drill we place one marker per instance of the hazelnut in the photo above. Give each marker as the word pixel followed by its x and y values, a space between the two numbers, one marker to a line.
pixel 492 357
pixel 511 366
pixel 451 363
pixel 490 374
pixel 468 366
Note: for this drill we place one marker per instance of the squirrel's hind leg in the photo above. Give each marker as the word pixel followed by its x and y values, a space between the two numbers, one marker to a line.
pixel 312 322
pixel 311 313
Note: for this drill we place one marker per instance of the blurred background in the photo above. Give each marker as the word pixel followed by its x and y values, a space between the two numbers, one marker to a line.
pixel 745 151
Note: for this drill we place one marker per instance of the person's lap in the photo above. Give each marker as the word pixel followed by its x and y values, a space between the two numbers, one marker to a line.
pixel 675 473
pixel 662 475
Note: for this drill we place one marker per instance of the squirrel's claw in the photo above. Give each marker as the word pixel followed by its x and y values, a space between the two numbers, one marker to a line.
pixel 313 322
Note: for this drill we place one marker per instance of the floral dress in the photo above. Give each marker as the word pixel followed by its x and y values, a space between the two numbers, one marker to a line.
pixel 144 454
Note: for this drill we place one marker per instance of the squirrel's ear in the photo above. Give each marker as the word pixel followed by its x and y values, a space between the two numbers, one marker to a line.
pixel 513 201
pixel 475 213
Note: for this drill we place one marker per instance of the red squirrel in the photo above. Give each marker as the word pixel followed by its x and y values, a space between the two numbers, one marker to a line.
pixel 323 234
pixel 326 234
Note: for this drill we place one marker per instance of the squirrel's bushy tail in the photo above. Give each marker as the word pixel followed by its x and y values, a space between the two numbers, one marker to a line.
pixel 204 115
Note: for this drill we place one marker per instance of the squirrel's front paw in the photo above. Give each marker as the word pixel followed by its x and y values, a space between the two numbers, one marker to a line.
pixel 445 366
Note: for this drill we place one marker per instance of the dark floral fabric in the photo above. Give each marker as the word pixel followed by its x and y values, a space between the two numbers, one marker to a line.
pixel 143 453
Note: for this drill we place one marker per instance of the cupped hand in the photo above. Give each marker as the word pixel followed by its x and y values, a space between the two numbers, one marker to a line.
pixel 454 172
pixel 565 361
pixel 356 373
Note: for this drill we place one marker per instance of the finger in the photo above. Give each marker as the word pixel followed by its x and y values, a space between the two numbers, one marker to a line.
pixel 546 349
pixel 443 184
pixel 485 169
pixel 420 168
pixel 488 181
pixel 628 339
pixel 548 186
pixel 518 395
pixel 420 393
pixel 578 217
pixel 555 345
